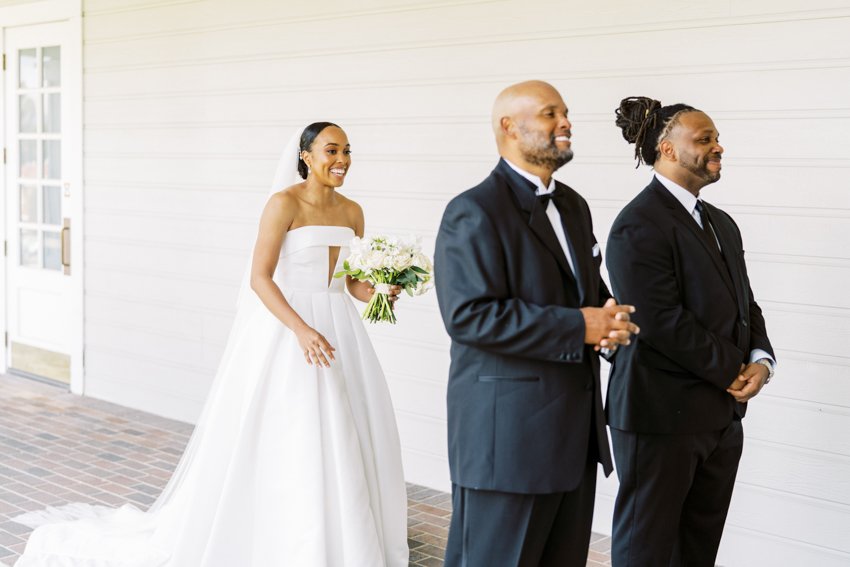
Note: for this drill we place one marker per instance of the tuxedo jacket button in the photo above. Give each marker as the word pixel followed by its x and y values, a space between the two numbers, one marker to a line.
pixel 744 323
pixel 589 386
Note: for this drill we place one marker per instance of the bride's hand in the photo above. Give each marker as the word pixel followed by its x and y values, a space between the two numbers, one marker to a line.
pixel 395 290
pixel 316 349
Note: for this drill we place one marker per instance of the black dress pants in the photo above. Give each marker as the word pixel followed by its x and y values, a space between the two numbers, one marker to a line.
pixel 674 495
pixel 499 529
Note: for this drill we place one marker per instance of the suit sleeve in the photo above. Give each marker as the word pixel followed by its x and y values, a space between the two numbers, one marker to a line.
pixel 643 273
pixel 477 307
pixel 758 329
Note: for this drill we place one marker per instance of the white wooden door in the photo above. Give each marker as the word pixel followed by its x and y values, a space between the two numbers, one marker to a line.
pixel 42 273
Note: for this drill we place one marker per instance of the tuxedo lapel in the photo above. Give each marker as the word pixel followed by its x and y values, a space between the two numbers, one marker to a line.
pixel 571 221
pixel 539 223
pixel 690 224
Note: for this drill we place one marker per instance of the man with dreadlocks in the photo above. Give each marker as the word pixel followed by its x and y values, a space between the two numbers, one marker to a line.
pixel 677 393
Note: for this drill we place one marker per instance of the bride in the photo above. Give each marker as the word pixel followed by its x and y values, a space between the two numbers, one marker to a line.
pixel 295 459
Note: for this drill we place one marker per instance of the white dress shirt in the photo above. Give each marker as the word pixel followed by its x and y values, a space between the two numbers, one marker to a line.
pixel 551 211
pixel 689 201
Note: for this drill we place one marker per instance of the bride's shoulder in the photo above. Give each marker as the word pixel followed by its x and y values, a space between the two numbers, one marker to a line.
pixel 350 206
pixel 348 202
pixel 281 209
pixel 353 213
pixel 285 198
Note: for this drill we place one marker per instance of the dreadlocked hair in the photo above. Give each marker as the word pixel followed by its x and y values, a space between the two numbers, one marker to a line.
pixel 645 123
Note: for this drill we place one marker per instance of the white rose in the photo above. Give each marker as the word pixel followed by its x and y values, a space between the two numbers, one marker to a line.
pixel 422 261
pixel 402 261
pixel 357 246
pixel 374 260
pixel 423 286
pixel 353 261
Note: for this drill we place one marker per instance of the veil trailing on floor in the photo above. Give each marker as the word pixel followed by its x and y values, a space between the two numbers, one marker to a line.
pixel 127 536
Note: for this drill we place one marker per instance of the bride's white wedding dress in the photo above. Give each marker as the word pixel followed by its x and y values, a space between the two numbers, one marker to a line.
pixel 290 464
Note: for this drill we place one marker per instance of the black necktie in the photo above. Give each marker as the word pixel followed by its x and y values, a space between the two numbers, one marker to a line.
pixel 706 223
pixel 709 232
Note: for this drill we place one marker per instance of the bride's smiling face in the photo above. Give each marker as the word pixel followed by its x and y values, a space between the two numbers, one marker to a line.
pixel 329 157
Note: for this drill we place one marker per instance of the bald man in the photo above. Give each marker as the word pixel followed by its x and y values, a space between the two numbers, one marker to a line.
pixel 521 297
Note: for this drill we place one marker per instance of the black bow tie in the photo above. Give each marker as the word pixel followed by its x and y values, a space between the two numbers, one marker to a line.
pixel 557 195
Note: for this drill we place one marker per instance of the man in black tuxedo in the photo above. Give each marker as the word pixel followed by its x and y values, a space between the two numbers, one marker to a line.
pixel 677 393
pixel 517 278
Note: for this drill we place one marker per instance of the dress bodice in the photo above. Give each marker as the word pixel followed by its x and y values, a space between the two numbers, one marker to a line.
pixel 304 258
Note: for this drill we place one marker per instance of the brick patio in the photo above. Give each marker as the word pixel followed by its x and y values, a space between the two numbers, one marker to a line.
pixel 58 448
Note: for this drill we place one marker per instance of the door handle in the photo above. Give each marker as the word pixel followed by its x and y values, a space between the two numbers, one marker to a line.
pixel 65 239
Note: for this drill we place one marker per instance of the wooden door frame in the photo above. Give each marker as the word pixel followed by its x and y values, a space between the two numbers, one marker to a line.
pixel 44 12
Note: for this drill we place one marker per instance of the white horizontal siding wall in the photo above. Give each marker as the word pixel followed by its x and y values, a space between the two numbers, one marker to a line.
pixel 187 104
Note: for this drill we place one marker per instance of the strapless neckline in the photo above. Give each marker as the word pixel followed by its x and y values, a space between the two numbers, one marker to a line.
pixel 305 258
pixel 291 230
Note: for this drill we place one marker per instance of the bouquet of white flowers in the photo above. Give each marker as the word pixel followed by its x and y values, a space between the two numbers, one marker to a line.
pixel 385 261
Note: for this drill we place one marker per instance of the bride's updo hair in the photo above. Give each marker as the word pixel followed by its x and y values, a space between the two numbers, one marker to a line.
pixel 645 123
pixel 308 136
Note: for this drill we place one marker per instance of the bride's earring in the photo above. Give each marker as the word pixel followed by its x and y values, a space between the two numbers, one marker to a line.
pixel 301 155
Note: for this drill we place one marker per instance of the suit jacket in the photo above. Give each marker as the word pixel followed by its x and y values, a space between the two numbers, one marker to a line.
pixel 697 315
pixel 523 392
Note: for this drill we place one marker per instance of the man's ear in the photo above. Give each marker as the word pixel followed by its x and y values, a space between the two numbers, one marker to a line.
pixel 508 126
pixel 667 150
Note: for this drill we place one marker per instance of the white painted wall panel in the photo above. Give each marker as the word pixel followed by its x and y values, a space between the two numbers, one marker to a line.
pixel 816 522
pixel 809 377
pixel 781 280
pixel 179 321
pixel 802 425
pixel 754 547
pixel 188 102
pixel 161 290
pixel 812 473
pixel 122 376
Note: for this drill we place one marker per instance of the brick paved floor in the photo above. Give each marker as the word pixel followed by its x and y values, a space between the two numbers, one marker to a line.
pixel 57 448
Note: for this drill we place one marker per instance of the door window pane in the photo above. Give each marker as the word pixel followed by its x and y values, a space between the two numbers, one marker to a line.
pixel 52 116
pixel 29 203
pixel 52 251
pixel 28 113
pixel 52 205
pixel 29 247
pixel 27 69
pixel 50 66
pixel 27 159
pixel 52 159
